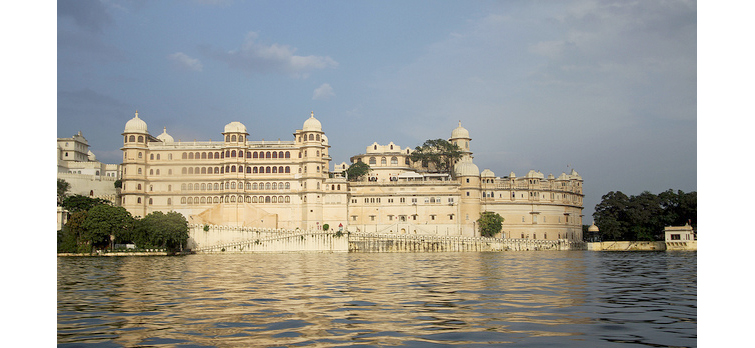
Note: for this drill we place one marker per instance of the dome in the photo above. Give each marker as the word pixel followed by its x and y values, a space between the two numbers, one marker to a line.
pixel 91 156
pixel 593 228
pixel 535 175
pixel 165 137
pixel 460 132
pixel 466 168
pixel 235 127
pixel 487 173
pixel 136 125
pixel 324 140
pixel 312 124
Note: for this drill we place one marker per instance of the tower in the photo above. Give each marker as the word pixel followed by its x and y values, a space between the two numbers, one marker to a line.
pixel 134 166
pixel 314 167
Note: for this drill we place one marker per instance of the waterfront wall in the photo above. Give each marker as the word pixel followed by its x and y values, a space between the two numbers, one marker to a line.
pixel 232 239
pixel 627 246
pixel 377 243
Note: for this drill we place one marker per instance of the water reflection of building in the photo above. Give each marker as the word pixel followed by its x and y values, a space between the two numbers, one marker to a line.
pixel 287 184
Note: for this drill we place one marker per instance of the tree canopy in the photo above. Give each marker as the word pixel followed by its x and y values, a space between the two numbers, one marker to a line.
pixel 63 187
pixel 644 217
pixel 437 155
pixel 489 224
pixel 356 171
pixel 105 220
pixel 159 230
pixel 76 203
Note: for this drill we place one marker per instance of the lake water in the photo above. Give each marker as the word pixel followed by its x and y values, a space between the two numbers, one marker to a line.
pixel 522 299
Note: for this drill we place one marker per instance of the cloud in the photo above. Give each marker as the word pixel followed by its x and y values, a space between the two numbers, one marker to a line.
pixel 183 61
pixel 256 57
pixel 323 92
pixel 88 14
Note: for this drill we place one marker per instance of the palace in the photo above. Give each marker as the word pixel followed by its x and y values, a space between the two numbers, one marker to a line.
pixel 288 185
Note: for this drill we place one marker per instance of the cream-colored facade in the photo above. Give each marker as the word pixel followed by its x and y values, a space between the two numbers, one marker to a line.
pixel 288 185
pixel 80 168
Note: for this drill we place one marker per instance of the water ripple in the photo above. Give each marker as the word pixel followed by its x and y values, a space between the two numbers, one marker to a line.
pixel 559 299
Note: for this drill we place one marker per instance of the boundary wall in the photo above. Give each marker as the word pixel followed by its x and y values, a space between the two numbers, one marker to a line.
pixel 642 246
pixel 237 239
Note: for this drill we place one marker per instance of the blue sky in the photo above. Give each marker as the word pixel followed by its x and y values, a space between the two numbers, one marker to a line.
pixel 608 88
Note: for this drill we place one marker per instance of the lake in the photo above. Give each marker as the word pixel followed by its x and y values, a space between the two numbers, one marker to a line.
pixel 523 299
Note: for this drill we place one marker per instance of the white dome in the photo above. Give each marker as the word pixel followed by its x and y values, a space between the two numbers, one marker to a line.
pixel 535 175
pixel 136 125
pixel 460 132
pixel 593 228
pixel 324 140
pixel 165 137
pixel 487 173
pixel 91 156
pixel 235 127
pixel 466 168
pixel 312 124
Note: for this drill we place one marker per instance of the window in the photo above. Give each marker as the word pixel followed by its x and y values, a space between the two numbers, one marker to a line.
pixel 373 161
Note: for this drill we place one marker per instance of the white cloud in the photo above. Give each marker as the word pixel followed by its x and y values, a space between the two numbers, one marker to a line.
pixel 185 62
pixel 257 57
pixel 323 92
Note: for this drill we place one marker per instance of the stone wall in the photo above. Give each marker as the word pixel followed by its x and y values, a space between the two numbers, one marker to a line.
pixel 627 246
pixel 372 243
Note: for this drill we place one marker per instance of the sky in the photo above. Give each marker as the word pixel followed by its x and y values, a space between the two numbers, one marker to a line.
pixel 607 88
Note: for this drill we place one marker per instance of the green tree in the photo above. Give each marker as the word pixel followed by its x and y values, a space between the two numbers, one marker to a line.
pixel 72 233
pixel 437 155
pixel 489 224
pixel 118 184
pixel 63 187
pixel 76 203
pixel 610 216
pixel 105 220
pixel 356 171
pixel 159 230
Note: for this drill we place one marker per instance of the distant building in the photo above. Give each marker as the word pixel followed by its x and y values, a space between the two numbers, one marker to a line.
pixel 80 168
pixel 287 184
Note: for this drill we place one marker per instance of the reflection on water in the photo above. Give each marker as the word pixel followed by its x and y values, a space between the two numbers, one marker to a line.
pixel 560 299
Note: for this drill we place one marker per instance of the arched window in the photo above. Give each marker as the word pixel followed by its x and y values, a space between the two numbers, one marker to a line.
pixel 233 137
pixel 373 161
pixel 275 169
pixel 288 199
pixel 248 186
pixel 274 186
pixel 254 170
pixel 204 155
pixel 233 169
pixel 216 187
pixel 141 139
pixel 267 169
pixel 191 170
pixel 151 172
pixel 280 154
pixel 254 186
pixel 383 161
pixel 170 201
pixel 249 170
pixel 151 156
pixel 317 137
pixel 311 137
pixel 150 201
pixel 227 138
pixel 288 186
pixel 203 187
pixel 268 154
pixel 183 200
pixel 288 169
pixel 275 154
pixel 132 139
pixel 204 170
pixel 138 171
pixel 217 170
pixel 248 154
pixel 233 153
pixel 267 186
pixel 157 171
pixel 267 199
pixel 394 161
pixel 202 200
pixel 241 169
pixel 184 155
pixel 140 155
pixel 288 154
pixel 138 200
pixel 191 155
pixel 254 154
pixel 215 200
pixel 254 199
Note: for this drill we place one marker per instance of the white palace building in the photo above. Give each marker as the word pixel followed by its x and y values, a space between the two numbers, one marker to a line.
pixel 242 182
